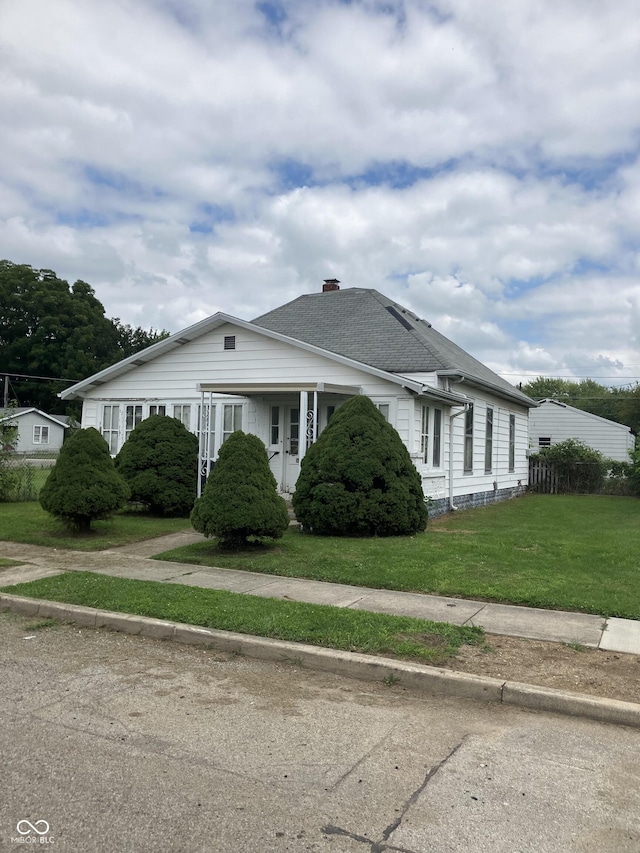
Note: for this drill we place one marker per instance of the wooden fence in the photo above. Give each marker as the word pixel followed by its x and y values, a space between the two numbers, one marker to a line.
pixel 542 478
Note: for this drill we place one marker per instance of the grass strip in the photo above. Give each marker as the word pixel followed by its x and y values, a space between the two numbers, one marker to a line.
pixel 30 524
pixel 317 624
pixel 562 552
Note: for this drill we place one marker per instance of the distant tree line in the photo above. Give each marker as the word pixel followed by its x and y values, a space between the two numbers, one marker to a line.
pixel 614 404
pixel 51 329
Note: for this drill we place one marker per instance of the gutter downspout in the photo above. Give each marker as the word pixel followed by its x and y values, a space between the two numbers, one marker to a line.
pixel 452 506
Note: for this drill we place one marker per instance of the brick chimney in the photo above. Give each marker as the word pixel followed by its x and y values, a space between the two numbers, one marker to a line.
pixel 330 284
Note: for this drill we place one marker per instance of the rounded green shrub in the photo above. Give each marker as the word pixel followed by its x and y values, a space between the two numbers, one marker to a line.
pixel 83 484
pixel 159 461
pixel 240 500
pixel 358 478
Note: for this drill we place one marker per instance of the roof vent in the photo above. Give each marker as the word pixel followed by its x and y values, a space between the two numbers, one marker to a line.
pixel 330 284
pixel 229 341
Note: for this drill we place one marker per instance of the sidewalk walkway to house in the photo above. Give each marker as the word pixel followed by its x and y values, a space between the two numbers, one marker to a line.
pixel 133 561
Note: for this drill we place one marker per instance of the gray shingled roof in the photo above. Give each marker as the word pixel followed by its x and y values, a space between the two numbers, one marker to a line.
pixel 364 325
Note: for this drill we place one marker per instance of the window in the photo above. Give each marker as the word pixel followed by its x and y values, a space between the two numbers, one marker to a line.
pixel 544 441
pixel 468 440
pixel 488 442
pixel 110 423
pixel 275 425
pixel 294 431
pixel 229 341
pixel 183 413
pixel 512 442
pixel 232 420
pixel 383 408
pixel 330 412
pixel 41 435
pixel 133 416
pixel 424 435
pixel 157 410
pixel 437 438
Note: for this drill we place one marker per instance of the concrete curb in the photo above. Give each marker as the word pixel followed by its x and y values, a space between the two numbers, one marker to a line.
pixel 351 664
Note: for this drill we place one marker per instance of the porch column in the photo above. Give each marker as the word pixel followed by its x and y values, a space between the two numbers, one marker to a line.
pixel 304 415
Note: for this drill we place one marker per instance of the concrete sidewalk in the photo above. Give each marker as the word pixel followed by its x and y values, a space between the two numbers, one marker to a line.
pixel 133 561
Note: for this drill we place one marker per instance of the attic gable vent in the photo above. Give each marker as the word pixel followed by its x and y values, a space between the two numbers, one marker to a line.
pixel 229 341
pixel 402 320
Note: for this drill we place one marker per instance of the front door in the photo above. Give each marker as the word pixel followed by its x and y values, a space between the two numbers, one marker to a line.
pixel 291 448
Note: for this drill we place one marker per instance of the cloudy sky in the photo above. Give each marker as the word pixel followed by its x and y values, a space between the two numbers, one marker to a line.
pixel 477 162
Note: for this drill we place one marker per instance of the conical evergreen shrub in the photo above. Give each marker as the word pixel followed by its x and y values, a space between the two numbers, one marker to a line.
pixel 358 478
pixel 240 498
pixel 159 461
pixel 83 484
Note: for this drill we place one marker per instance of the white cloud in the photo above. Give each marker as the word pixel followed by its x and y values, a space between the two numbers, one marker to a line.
pixel 476 161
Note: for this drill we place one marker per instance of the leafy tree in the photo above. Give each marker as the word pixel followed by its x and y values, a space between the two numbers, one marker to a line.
pixel 50 329
pixel 580 468
pixel 159 461
pixel 358 478
pixel 240 500
pixel 83 484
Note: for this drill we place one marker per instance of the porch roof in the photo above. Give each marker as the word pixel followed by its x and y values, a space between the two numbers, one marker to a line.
pixel 247 389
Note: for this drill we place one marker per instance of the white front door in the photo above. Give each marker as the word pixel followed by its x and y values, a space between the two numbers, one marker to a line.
pixel 291 448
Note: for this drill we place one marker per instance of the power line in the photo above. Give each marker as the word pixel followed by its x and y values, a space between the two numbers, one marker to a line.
pixel 32 376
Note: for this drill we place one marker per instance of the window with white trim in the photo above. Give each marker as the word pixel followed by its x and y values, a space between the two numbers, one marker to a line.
pixel 232 420
pixel 468 440
pixel 488 442
pixel 183 413
pixel 157 410
pixel 110 427
pixel 424 435
pixel 40 434
pixel 437 438
pixel 133 416
pixel 512 443
pixel 383 408
pixel 275 425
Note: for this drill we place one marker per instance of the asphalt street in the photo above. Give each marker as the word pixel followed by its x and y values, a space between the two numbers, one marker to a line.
pixel 110 742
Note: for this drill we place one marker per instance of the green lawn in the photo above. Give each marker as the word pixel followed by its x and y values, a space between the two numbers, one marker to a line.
pixel 29 523
pixel 332 627
pixel 552 551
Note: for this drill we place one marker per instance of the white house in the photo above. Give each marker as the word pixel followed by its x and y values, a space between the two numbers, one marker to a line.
pixel 37 431
pixel 553 422
pixel 282 376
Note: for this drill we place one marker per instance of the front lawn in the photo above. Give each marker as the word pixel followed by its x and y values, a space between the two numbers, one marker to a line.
pixel 318 624
pixel 30 524
pixel 562 552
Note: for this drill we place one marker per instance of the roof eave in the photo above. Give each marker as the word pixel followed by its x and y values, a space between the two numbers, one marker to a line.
pixel 516 396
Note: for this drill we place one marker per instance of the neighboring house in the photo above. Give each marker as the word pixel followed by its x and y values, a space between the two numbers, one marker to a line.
pixel 552 422
pixel 283 375
pixel 37 431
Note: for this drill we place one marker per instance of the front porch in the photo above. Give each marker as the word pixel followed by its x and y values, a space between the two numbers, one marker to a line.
pixel 287 417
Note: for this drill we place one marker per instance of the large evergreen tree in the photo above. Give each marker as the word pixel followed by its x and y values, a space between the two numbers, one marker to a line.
pixel 240 498
pixel 358 478
pixel 83 484
pixel 159 461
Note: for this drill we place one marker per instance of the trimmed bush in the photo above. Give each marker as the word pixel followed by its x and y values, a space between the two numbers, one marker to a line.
pixel 240 500
pixel 83 484
pixel 358 478
pixel 159 461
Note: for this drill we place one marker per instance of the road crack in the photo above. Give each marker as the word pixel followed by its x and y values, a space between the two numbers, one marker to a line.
pixel 382 845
